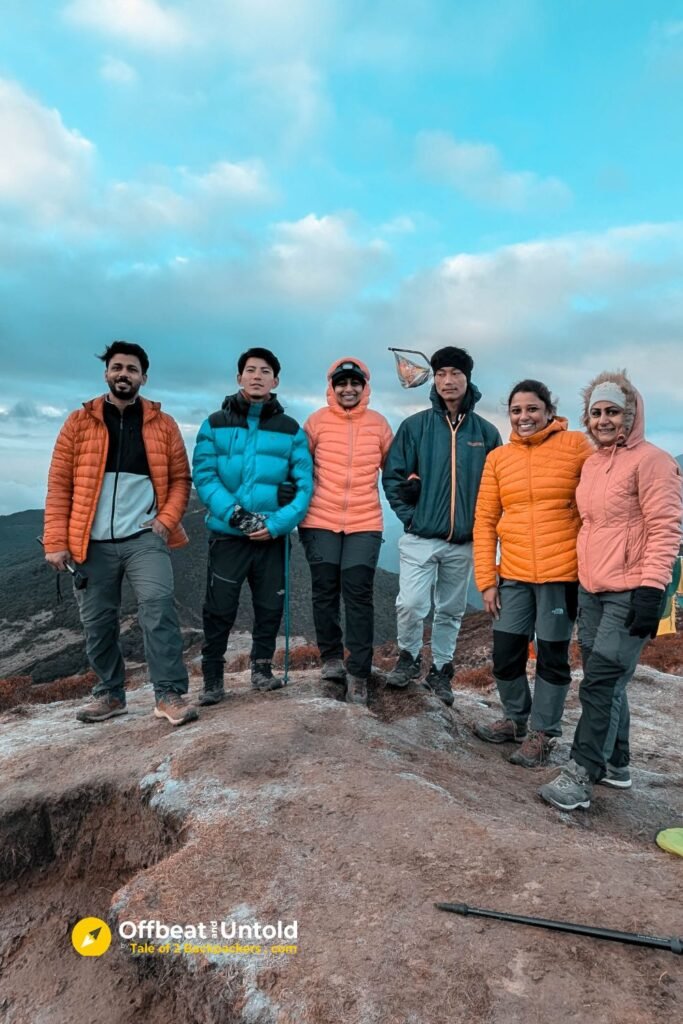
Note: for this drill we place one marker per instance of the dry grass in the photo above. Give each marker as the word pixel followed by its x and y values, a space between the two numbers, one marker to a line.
pixel 14 690
pixel 479 679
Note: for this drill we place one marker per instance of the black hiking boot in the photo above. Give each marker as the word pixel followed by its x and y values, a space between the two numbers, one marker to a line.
pixel 439 681
pixel 404 671
pixel 262 677
pixel 213 692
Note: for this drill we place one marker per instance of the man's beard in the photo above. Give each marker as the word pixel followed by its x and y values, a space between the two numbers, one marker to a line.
pixel 124 393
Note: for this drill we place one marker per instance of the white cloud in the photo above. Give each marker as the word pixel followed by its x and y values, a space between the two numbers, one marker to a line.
pixel 475 169
pixel 246 181
pixel 45 168
pixel 317 259
pixel 400 225
pixel 143 23
pixel 117 71
pixel 292 97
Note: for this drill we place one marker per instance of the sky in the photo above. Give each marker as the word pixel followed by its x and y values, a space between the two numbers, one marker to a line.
pixel 330 178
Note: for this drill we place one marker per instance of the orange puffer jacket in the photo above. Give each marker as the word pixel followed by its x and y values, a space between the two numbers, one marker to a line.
pixel 527 500
pixel 349 447
pixel 77 470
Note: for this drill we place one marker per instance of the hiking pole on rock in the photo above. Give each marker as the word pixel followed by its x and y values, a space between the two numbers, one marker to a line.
pixel 286 675
pixel 634 938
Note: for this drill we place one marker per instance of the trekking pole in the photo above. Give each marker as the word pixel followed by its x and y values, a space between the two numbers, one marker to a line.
pixel 634 938
pixel 286 676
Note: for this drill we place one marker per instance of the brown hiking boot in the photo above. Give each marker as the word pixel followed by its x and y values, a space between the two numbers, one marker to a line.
pixel 356 690
pixel 333 671
pixel 175 709
pixel 100 708
pixel 502 731
pixel 534 752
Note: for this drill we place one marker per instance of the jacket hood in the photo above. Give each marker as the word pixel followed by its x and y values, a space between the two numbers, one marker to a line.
pixel 470 399
pixel 634 411
pixel 556 425
pixel 364 398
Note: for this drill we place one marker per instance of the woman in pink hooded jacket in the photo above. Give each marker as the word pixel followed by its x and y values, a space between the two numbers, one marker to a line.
pixel 629 500
pixel 342 531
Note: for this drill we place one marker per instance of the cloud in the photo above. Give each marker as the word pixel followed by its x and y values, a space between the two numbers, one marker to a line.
pixel 400 225
pixel 143 23
pixel 291 96
pixel 317 259
pixel 665 48
pixel 245 181
pixel 117 71
pixel 26 410
pixel 46 167
pixel 475 169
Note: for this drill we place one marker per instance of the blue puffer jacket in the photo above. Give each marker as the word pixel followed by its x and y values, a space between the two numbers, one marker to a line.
pixel 243 452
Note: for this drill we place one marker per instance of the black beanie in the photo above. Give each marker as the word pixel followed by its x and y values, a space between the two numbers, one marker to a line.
pixel 458 358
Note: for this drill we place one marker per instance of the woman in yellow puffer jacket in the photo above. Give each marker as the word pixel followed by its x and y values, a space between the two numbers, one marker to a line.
pixel 342 530
pixel 527 504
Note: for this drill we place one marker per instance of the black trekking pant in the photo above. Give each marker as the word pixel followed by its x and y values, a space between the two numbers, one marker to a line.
pixel 343 566
pixel 232 560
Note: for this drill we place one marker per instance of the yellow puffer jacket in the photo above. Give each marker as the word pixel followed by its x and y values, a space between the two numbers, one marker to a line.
pixel 527 500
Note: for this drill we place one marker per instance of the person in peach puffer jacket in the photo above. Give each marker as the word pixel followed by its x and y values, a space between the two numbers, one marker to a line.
pixel 342 530
pixel 629 500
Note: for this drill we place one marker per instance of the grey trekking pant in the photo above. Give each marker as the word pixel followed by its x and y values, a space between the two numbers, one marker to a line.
pixel 548 611
pixel 145 561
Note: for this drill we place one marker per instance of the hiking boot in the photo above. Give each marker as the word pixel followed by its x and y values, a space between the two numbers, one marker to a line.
pixel 333 671
pixel 262 677
pixel 571 789
pixel 404 671
pixel 356 690
pixel 502 731
pixel 213 692
pixel 175 709
pixel 618 778
pixel 438 680
pixel 535 750
pixel 100 708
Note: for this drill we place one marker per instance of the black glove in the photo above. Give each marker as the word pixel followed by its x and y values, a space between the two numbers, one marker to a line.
pixel 409 490
pixel 247 522
pixel 571 600
pixel 646 611
pixel 286 492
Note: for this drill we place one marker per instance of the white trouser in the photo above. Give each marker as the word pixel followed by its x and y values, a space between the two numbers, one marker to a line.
pixel 431 567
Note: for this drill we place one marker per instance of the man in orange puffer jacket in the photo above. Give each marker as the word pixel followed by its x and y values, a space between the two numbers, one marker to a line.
pixel 118 486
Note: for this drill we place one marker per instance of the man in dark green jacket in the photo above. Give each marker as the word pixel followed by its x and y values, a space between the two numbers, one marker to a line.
pixel 431 479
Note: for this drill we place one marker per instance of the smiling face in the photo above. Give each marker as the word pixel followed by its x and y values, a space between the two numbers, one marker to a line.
pixel 257 380
pixel 124 376
pixel 348 392
pixel 528 413
pixel 606 422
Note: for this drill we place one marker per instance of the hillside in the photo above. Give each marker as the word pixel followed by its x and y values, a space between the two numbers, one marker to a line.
pixel 351 822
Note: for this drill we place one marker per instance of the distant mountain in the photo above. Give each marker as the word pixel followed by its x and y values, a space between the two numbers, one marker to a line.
pixel 41 636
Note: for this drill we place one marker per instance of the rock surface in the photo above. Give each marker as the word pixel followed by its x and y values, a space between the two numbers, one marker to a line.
pixel 353 822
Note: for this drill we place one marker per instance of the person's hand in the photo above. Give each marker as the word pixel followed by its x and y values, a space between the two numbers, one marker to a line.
pixel 158 528
pixel 57 560
pixel 409 490
pixel 645 613
pixel 263 534
pixel 491 599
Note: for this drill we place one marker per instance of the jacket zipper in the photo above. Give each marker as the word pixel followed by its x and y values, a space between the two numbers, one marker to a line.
pixel 454 431
pixel 348 472
pixel 531 512
pixel 116 478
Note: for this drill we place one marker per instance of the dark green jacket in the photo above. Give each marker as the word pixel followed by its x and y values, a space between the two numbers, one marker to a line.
pixel 449 461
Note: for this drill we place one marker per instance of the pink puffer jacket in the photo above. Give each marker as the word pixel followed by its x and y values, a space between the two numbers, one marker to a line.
pixel 629 500
pixel 349 447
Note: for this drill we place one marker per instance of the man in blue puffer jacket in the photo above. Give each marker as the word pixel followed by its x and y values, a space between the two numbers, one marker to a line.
pixel 254 473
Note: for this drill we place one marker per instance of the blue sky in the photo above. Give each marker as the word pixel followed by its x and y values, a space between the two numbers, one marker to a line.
pixel 329 178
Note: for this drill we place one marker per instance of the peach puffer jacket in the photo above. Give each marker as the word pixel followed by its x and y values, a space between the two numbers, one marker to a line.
pixel 77 469
pixel 349 447
pixel 630 503
pixel 527 501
